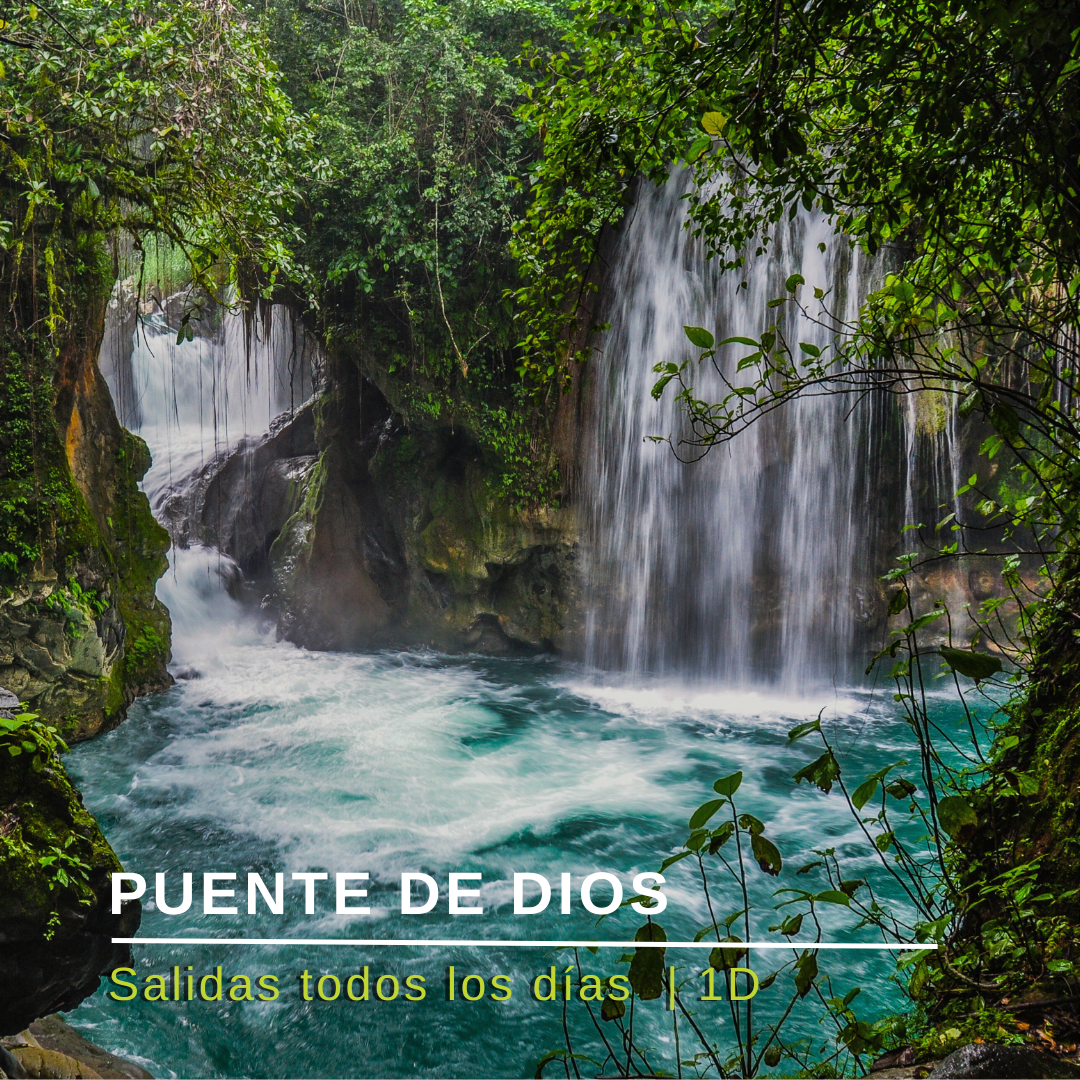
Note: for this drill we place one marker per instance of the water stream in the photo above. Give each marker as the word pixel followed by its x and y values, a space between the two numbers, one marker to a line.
pixel 726 610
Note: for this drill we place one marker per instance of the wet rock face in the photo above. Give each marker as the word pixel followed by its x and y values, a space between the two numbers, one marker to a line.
pixel 240 500
pixel 356 532
pixel 1003 1063
pixel 61 651
pixel 81 631
pixel 52 1048
pixel 405 537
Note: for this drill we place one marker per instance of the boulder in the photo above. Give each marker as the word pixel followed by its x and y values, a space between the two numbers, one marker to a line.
pixel 995 1062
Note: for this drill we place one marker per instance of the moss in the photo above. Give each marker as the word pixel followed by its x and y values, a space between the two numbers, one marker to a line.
pixel 139 544
pixel 53 855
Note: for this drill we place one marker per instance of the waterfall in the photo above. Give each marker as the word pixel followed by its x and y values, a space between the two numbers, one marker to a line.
pixel 193 402
pixel 194 399
pixel 758 563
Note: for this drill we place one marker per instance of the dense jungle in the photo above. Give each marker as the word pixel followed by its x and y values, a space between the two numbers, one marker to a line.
pixel 556 436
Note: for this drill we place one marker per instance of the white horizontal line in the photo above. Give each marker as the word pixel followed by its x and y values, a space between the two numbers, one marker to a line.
pixel 489 943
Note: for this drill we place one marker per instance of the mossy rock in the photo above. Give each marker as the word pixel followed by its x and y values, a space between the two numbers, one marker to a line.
pixel 55 920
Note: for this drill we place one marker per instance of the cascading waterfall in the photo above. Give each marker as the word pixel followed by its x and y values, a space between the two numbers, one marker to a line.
pixel 193 399
pixel 752 565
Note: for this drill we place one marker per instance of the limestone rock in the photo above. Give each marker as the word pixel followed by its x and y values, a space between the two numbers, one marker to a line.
pixel 990 1060
pixel 50 1065
pixel 358 533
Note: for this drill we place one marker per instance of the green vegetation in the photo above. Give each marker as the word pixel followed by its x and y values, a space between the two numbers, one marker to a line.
pixel 158 129
pixel 49 848
pixel 119 117
pixel 943 135
pixel 410 203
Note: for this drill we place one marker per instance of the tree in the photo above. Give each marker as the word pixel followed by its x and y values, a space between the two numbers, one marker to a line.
pixel 133 120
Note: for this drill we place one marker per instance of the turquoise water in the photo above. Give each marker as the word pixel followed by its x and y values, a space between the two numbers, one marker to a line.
pixel 268 758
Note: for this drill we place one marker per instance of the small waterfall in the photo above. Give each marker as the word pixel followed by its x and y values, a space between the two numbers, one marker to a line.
pixel 758 563
pixel 194 399
pixel 193 402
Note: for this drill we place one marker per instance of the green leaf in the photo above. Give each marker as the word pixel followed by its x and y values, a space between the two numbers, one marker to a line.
pixel 1003 417
pixel 751 823
pixel 671 860
pixel 697 148
pixel 901 789
pixel 794 282
pixel 612 1009
pixel 791 926
pixel 766 854
pixel 647 968
pixel 1025 784
pixel 806 970
pixel 977 666
pixel 704 812
pixel 713 122
pixel 957 818
pixel 821 773
pixel 700 337
pixel 728 785
pixel 696 840
pixel 898 601
pixel 721 836
pixel 800 730
pixel 722 959
pixel 924 620
pixel 865 792
pixel 969 403
pixel 833 896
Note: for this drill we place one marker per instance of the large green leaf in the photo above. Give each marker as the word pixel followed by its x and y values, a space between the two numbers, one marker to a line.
pixel 728 785
pixel 766 854
pixel 1025 784
pixel 612 1008
pixel 704 812
pixel 713 122
pixel 806 970
pixel 720 959
pixel 699 336
pixel 865 792
pixel 974 665
pixel 833 896
pixel 647 968
pixel 957 818
pixel 821 772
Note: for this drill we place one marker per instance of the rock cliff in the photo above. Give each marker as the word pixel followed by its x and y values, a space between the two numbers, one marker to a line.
pixel 81 634
pixel 355 530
